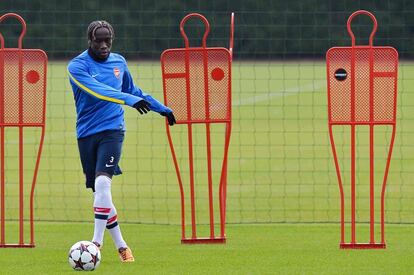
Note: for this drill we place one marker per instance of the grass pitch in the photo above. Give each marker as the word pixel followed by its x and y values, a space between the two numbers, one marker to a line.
pixel 251 249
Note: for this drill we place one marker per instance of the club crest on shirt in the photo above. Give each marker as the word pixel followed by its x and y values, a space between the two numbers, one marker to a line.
pixel 117 73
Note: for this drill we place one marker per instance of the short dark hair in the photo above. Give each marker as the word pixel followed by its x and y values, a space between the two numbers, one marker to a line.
pixel 93 26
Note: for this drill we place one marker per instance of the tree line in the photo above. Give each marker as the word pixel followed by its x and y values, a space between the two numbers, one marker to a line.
pixel 264 29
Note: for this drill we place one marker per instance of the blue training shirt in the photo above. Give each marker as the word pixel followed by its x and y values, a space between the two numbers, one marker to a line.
pixel 100 88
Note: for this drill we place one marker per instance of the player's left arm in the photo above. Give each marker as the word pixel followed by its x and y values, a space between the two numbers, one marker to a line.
pixel 128 86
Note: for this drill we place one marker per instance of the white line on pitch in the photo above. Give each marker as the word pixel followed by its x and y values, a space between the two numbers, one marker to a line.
pixel 310 87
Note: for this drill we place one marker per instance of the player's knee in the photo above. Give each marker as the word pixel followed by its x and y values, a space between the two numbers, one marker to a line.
pixel 102 187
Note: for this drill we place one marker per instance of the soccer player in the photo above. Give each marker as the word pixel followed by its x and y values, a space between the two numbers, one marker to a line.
pixel 101 83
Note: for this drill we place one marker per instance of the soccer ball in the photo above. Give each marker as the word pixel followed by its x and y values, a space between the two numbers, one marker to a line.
pixel 84 255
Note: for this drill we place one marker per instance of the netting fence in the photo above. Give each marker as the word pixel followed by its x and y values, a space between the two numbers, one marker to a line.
pixel 280 165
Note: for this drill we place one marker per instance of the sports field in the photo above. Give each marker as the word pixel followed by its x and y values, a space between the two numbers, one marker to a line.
pixel 283 198
pixel 251 249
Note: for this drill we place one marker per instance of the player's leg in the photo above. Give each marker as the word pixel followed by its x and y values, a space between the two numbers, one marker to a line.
pixel 88 148
pixel 114 229
pixel 124 251
pixel 109 153
pixel 102 206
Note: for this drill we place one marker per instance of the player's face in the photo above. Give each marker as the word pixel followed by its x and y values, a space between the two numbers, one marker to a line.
pixel 102 43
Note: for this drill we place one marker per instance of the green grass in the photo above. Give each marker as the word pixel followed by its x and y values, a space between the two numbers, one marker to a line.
pixel 280 171
pixel 251 249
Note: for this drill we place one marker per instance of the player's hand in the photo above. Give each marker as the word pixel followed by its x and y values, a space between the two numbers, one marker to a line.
pixel 142 106
pixel 170 116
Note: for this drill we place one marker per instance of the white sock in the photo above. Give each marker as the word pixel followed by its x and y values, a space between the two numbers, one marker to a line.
pixel 102 207
pixel 114 229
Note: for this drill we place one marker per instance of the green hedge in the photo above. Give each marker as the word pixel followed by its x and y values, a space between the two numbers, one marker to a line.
pixel 264 29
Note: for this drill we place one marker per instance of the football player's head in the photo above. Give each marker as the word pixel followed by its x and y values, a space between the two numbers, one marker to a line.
pixel 100 35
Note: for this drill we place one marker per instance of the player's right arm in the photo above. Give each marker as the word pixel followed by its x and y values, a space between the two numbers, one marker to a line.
pixel 79 75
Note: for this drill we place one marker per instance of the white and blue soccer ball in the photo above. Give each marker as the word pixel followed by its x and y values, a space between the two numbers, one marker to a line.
pixel 84 256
